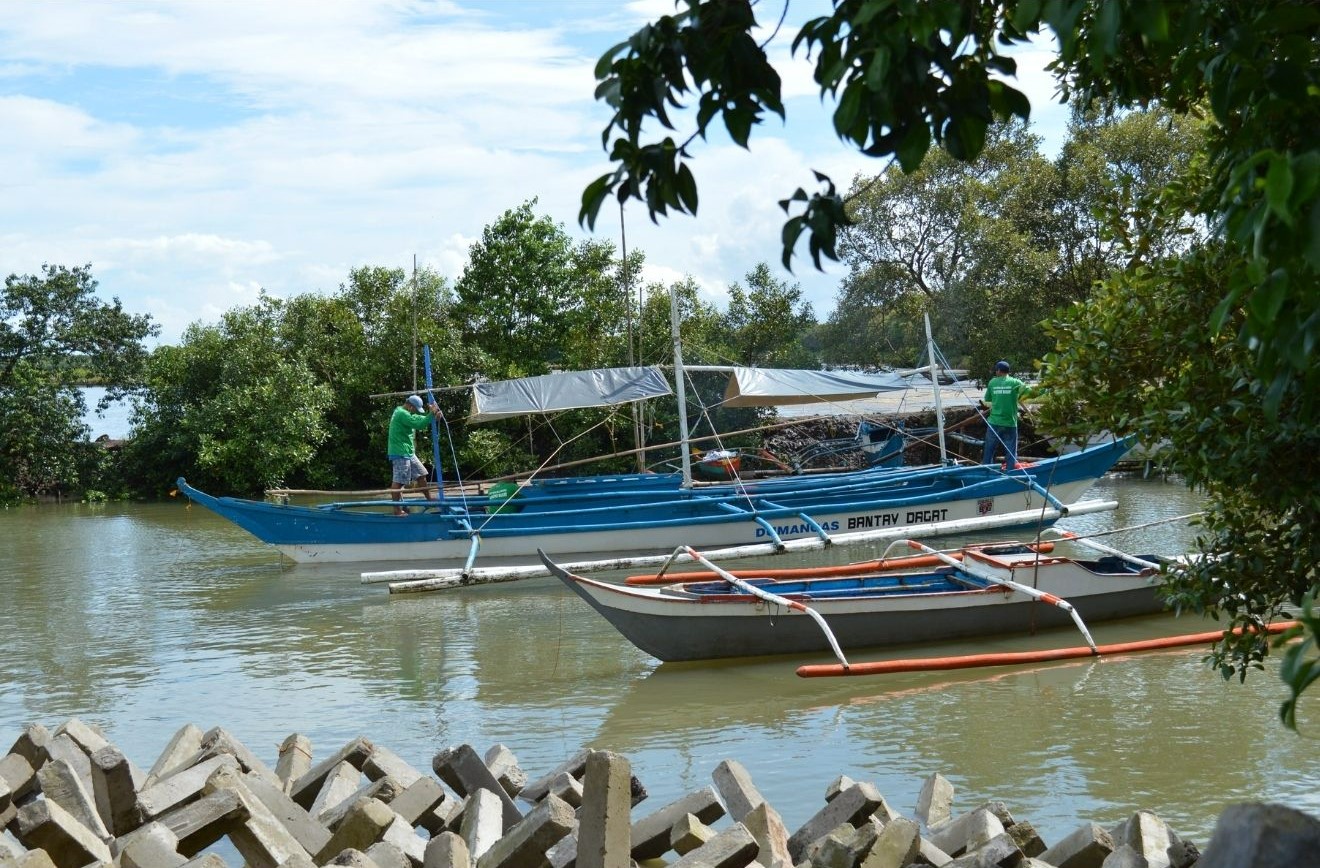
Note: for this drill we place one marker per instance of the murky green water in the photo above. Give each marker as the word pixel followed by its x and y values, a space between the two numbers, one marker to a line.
pixel 141 618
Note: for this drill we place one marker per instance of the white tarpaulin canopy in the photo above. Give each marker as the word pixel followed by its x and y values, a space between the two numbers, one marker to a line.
pixel 769 387
pixel 569 390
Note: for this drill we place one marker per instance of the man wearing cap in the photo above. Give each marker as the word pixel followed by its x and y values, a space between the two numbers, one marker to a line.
pixel 1002 394
pixel 407 420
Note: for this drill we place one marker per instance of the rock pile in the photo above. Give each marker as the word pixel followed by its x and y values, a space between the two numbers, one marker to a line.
pixel 69 798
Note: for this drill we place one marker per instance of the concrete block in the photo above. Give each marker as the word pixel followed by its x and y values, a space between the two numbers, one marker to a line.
pixel 446 850
pixel 935 801
pixel 564 853
pixel 575 766
pixel 44 825
pixel 382 762
pixel 851 806
pixel 771 835
pixel 735 787
pixel 838 785
pixel 218 740
pixel 929 854
pixel 837 849
pixel 115 791
pixel 537 789
pixel 387 855
pixel 465 772
pixel 60 783
pixel 208 860
pixel 1254 835
pixel 304 789
pixel 1125 857
pixel 295 759
pixel 180 787
pixel 153 846
pixel 262 839
pixel 199 823
pixel 88 738
pixel 895 846
pixel 36 859
pixel 353 858
pixel 525 845
pixel 298 861
pixel 299 823
pixel 33 745
pixel 568 788
pixel 1027 838
pixel 185 744
pixel 604 835
pixel 733 848
pixel 1148 836
pixel 483 822
pixel 967 832
pixel 342 782
pixel 17 775
pixel 999 852
pixel 688 834
pixel 1087 847
pixel 504 766
pixel 401 835
pixel 385 790
pixel 650 834
pixel 62 747
pixel 364 825
pixel 417 804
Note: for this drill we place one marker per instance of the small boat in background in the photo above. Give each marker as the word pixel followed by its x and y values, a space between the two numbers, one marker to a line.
pixel 982 590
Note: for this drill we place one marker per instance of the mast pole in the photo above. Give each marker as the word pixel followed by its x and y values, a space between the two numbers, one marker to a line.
pixel 679 378
pixel 935 381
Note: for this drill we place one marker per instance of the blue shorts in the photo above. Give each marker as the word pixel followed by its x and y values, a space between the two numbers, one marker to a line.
pixel 405 470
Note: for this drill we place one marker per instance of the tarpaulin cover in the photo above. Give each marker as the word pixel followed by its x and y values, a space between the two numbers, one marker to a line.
pixel 569 390
pixel 769 387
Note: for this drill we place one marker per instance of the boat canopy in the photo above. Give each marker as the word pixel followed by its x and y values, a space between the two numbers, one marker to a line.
pixel 568 390
pixel 769 387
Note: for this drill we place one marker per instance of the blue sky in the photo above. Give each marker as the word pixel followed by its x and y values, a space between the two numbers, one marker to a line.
pixel 197 152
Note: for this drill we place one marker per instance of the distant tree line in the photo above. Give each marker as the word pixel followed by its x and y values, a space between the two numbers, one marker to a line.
pixel 279 393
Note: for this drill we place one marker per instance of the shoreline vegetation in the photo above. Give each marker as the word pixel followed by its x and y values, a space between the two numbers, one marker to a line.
pixel 71 798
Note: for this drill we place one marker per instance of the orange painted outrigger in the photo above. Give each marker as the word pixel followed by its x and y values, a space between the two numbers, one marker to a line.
pixel 970 661
pixel 910 562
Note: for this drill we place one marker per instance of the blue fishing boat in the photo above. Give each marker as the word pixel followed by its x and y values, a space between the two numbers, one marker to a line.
pixel 576 518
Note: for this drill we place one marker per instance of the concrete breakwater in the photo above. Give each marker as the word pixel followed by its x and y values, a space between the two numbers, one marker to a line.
pixel 69 798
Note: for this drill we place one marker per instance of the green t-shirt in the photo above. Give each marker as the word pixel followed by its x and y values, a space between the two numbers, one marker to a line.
pixel 1002 394
pixel 404 425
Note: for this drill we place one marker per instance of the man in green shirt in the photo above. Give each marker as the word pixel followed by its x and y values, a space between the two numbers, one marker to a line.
pixel 405 466
pixel 1002 394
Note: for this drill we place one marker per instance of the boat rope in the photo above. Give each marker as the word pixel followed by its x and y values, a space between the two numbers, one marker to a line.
pixel 1034 593
pixel 763 594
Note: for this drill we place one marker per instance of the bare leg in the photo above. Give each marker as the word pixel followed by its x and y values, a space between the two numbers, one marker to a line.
pixel 396 494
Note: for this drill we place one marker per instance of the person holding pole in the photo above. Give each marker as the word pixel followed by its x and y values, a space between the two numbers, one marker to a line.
pixel 406 467
pixel 1001 397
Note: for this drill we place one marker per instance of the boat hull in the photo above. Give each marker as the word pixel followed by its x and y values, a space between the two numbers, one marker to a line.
pixel 625 514
pixel 674 628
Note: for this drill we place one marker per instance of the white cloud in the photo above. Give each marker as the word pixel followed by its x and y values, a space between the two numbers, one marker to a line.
pixel 196 152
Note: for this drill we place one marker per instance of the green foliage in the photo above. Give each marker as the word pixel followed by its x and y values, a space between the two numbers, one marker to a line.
pixel 56 332
pixel 279 393
pixel 908 74
pixel 766 322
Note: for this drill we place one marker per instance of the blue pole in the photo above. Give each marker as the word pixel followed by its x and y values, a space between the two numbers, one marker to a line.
pixel 435 425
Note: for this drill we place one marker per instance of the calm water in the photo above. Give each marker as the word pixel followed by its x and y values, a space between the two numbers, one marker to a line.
pixel 141 618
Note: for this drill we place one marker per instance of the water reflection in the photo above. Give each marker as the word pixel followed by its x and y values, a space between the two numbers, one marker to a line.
pixel 144 617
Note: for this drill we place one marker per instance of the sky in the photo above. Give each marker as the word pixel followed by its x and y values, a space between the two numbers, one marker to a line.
pixel 196 152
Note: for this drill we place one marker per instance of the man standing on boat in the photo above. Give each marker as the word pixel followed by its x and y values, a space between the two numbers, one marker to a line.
pixel 1002 394
pixel 406 467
